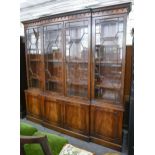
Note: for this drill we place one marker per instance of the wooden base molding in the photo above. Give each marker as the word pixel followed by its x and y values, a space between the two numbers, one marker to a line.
pixel 106 143
pixel 33 119
pixel 68 132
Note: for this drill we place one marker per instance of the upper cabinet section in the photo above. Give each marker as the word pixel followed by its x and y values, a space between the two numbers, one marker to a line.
pixel 109 58
pixel 76 36
pixel 33 53
pixel 53 57
pixel 79 54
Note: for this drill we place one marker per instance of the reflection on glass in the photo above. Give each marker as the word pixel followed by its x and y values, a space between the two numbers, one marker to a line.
pixel 77 58
pixel 108 59
pixel 53 57
pixel 33 56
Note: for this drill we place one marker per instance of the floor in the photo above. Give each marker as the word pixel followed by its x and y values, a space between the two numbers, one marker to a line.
pixel 92 147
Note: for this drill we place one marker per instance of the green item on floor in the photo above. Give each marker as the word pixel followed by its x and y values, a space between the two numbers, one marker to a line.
pixel 26 129
pixel 56 143
pixel 33 149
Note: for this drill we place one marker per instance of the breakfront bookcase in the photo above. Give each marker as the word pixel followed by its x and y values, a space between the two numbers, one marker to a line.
pixel 75 71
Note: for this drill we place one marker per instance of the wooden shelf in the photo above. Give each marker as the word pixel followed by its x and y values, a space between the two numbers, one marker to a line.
pixel 109 64
pixel 34 60
pixel 109 38
pixel 78 83
pixel 77 62
pixel 109 74
pixel 34 77
pixel 34 49
pixel 109 86
pixel 54 61
pixel 75 40
pixel 111 45
pixel 54 80
pixel 83 69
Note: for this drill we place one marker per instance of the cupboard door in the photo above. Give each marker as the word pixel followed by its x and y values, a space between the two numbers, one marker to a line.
pixel 77 58
pixel 34 105
pixel 106 124
pixel 34 57
pixel 76 117
pixel 53 112
pixel 53 54
pixel 109 59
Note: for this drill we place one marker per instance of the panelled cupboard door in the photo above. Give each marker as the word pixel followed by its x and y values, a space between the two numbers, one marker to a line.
pixel 34 57
pixel 52 111
pixel 106 124
pixel 34 105
pixel 76 117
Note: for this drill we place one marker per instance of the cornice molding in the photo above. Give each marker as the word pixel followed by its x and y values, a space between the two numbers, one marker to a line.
pixel 103 11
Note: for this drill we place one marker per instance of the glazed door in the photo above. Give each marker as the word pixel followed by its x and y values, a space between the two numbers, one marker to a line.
pixel 77 58
pixel 34 58
pixel 53 53
pixel 108 59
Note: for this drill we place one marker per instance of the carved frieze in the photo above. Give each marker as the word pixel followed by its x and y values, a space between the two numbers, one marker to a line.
pixel 104 11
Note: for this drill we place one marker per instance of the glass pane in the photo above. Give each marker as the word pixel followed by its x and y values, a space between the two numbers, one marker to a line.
pixel 34 56
pixel 77 58
pixel 108 59
pixel 34 83
pixel 53 57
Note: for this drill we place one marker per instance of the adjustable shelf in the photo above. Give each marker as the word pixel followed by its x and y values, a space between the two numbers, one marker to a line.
pixel 34 77
pixel 34 60
pixel 75 61
pixel 108 64
pixel 110 73
pixel 54 61
pixel 75 40
pixel 113 38
pixel 77 83
pixel 54 80
pixel 109 86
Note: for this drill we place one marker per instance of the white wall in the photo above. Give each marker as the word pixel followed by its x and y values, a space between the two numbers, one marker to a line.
pixel 21 29
pixel 130 25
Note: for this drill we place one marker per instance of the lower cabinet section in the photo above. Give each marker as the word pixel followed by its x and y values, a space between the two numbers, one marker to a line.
pixel 34 105
pixel 102 125
pixel 67 117
pixel 106 126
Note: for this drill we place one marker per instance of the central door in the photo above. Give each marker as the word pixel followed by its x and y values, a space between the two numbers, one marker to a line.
pixel 77 58
pixel 53 57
